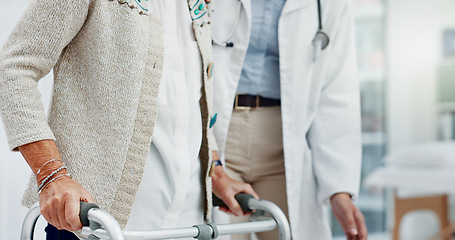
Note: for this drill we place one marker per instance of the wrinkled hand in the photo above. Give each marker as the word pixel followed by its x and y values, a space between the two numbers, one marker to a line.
pixel 226 188
pixel 59 203
pixel 349 217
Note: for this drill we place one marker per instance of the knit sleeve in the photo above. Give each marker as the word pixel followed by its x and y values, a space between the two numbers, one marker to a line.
pixel 30 53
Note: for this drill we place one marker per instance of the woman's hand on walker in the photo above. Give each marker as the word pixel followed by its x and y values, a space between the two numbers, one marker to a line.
pixel 59 203
pixel 226 188
pixel 349 217
pixel 60 195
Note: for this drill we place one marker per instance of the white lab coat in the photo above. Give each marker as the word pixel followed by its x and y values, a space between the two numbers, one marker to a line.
pixel 320 103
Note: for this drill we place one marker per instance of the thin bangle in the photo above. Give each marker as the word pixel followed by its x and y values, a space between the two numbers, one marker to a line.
pixel 49 176
pixel 52 160
pixel 53 179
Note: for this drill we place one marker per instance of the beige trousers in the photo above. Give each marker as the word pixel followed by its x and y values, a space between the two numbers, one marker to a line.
pixel 254 154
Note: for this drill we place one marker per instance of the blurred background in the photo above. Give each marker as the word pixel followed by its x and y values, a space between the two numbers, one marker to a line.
pixel 406 64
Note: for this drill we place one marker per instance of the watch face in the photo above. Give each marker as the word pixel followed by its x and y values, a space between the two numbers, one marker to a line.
pixel 449 42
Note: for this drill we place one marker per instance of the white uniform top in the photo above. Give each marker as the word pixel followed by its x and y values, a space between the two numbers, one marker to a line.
pixel 170 194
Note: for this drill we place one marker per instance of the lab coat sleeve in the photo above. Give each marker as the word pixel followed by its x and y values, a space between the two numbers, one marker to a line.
pixel 28 55
pixel 334 136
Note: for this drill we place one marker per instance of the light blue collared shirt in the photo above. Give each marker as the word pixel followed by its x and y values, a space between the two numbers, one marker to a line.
pixel 261 69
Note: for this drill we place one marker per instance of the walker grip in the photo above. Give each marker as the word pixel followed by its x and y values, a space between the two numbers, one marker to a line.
pixel 83 214
pixel 242 199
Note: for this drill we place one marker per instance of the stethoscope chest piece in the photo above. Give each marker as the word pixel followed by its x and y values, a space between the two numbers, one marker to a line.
pixel 322 38
pixel 320 42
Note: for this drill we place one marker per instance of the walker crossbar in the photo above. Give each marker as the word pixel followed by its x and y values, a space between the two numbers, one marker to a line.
pixel 104 226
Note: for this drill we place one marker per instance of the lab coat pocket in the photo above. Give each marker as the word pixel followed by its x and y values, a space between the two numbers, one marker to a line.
pixel 196 71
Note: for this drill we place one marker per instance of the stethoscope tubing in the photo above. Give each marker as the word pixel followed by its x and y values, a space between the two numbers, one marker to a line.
pixel 320 35
pixel 319 15
pixel 225 43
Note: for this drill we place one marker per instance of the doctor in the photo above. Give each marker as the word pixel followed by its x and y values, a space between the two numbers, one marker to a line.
pixel 287 102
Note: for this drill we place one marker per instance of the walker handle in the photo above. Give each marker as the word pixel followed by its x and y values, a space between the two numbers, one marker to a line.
pixel 83 215
pixel 242 198
pixel 93 219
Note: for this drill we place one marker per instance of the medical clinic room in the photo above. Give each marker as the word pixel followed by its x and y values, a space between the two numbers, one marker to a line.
pixel 353 100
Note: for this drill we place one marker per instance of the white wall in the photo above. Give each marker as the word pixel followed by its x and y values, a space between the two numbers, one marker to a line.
pixel 414 45
pixel 14 172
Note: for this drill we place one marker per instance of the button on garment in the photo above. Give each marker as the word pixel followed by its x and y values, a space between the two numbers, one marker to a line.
pixel 170 194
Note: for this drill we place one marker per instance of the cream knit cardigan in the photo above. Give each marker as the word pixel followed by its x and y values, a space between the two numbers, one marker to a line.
pixel 107 57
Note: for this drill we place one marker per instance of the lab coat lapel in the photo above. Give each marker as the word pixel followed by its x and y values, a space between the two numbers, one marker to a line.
pixel 247 6
pixel 292 5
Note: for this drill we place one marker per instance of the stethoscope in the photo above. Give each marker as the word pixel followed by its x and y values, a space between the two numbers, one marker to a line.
pixel 320 41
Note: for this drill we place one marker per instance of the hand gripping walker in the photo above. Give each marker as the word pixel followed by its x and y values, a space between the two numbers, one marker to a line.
pixel 99 224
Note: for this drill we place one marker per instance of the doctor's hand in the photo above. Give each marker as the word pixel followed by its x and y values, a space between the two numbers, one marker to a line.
pixel 349 217
pixel 226 188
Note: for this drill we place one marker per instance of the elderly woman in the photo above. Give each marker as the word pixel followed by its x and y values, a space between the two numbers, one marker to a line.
pixel 129 126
